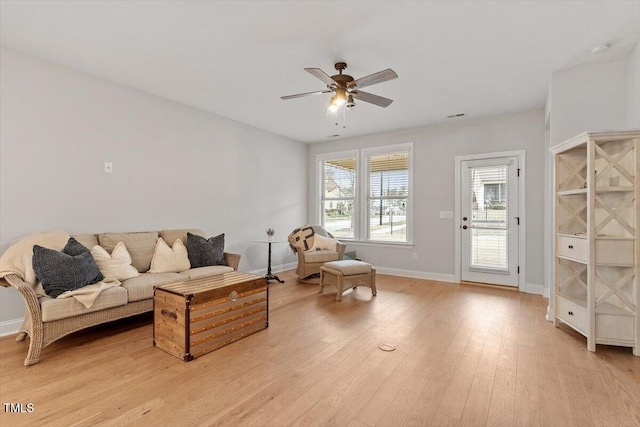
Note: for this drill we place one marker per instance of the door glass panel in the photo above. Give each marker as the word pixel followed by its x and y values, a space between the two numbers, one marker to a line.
pixel 488 217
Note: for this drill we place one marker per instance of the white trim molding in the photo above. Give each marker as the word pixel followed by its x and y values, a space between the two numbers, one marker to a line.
pixel 274 268
pixel 438 277
pixel 10 327
pixel 534 288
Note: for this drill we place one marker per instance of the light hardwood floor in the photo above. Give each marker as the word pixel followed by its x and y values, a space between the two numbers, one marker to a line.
pixel 466 355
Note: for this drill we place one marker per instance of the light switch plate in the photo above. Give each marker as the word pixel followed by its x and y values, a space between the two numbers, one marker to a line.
pixel 108 167
pixel 446 214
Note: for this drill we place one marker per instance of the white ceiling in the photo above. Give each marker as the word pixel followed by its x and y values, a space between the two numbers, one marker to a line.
pixel 237 58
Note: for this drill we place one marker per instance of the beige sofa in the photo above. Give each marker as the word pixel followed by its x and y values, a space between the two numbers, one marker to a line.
pixel 49 319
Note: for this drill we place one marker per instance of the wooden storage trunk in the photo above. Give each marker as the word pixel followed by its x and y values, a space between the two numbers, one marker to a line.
pixel 195 317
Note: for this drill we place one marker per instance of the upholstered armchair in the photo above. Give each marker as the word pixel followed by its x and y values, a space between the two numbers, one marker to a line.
pixel 314 246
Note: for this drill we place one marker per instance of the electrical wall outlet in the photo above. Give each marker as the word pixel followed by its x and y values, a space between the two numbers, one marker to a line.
pixel 414 256
pixel 108 167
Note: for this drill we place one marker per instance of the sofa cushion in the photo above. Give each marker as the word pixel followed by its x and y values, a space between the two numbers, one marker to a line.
pixel 86 240
pixel 115 265
pixel 212 270
pixel 60 271
pixel 57 308
pixel 139 245
pixel 204 252
pixel 170 236
pixel 141 287
pixel 168 259
pixel 320 256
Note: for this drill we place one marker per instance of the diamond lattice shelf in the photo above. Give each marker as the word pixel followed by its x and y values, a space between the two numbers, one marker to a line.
pixel 596 289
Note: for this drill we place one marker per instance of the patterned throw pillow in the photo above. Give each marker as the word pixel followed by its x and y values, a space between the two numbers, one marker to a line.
pixel 61 271
pixel 205 252
pixel 302 237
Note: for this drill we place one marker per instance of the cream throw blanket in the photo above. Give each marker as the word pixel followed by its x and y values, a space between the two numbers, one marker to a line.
pixel 18 260
pixel 87 295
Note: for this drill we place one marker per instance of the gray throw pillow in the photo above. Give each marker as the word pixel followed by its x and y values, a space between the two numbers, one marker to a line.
pixel 70 269
pixel 74 248
pixel 204 252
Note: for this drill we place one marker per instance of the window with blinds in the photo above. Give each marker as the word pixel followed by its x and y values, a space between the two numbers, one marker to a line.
pixel 387 205
pixel 489 212
pixel 338 195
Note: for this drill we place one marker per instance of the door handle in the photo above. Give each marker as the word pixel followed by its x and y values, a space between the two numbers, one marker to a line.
pixel 464 227
pixel 464 218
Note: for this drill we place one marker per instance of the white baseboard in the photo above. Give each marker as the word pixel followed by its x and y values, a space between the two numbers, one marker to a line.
pixel 546 293
pixel 532 288
pixel 275 268
pixel 10 327
pixel 439 277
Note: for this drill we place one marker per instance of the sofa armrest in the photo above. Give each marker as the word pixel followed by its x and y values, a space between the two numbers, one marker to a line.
pixel 29 295
pixel 232 260
pixel 341 247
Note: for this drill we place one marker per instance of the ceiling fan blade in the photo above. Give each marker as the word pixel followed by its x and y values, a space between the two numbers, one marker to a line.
pixel 375 78
pixel 317 72
pixel 300 95
pixel 372 99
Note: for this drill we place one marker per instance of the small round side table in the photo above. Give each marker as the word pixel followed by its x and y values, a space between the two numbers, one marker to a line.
pixel 269 276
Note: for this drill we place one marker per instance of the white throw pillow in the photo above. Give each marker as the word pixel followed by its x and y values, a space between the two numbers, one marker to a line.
pixel 116 265
pixel 324 243
pixel 169 260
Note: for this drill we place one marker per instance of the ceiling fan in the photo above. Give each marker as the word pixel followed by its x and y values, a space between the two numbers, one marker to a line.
pixel 346 89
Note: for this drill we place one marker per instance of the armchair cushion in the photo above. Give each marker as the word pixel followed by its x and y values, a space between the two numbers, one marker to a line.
pixel 321 242
pixel 321 256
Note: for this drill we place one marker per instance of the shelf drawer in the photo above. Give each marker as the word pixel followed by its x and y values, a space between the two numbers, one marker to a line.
pixel 610 327
pixel 615 252
pixel 573 247
pixel 572 314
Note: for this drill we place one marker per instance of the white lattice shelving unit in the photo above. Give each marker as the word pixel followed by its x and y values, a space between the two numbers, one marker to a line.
pixel 597 189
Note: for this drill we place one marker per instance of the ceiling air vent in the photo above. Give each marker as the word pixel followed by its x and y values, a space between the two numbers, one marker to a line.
pixel 453 116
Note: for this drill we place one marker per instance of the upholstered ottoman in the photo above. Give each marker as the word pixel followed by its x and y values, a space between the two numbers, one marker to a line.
pixel 355 273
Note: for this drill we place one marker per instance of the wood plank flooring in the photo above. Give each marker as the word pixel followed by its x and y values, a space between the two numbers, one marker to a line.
pixel 466 355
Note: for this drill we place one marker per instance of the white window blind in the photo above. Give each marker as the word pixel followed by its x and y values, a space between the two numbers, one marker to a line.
pixel 338 192
pixel 387 181
pixel 489 212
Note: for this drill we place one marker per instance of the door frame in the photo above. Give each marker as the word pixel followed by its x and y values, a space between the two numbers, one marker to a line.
pixel 522 243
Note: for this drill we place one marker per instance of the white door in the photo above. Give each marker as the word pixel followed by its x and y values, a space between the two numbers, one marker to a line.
pixel 489 221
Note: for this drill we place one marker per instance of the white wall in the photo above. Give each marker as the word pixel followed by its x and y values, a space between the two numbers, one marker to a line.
pixel 435 149
pixel 592 97
pixel 633 84
pixel 173 166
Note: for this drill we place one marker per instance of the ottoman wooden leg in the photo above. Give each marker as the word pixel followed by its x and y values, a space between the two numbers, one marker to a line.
pixel 340 287
pixel 374 291
pixel 321 282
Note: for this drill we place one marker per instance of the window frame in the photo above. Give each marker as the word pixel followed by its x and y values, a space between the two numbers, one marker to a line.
pixel 320 160
pixel 364 195
pixel 360 211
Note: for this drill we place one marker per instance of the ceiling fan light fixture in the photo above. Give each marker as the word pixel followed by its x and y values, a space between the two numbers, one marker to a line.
pixel 351 103
pixel 340 97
